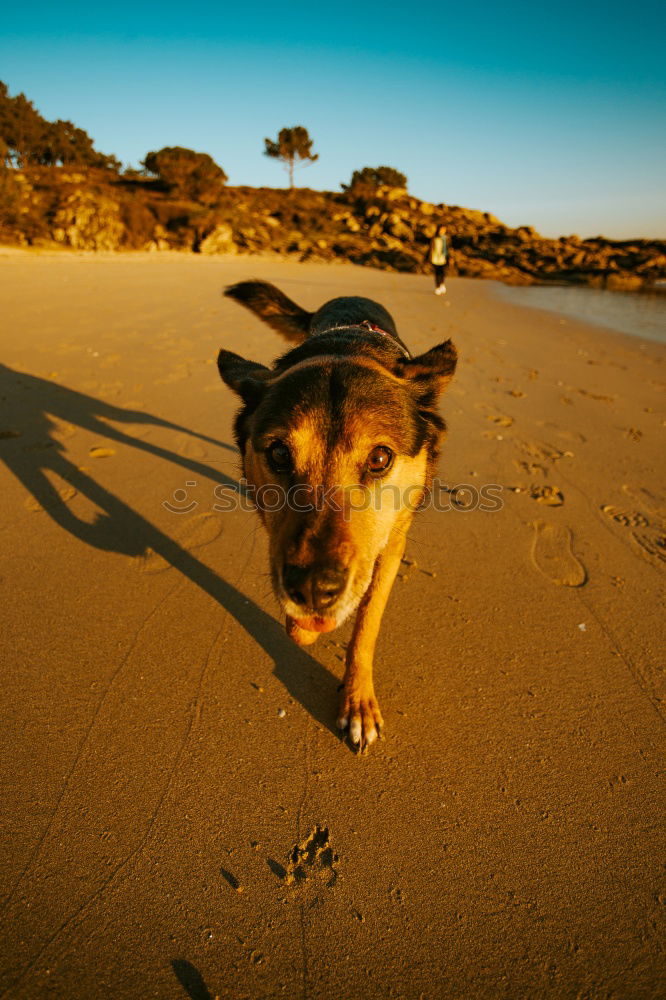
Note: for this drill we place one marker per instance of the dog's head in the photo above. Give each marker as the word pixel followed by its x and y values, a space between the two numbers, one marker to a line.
pixel 338 451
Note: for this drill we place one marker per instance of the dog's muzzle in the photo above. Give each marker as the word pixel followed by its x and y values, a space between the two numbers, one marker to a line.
pixel 316 588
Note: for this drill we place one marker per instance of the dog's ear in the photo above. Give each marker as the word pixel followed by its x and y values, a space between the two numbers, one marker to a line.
pixel 246 378
pixel 430 373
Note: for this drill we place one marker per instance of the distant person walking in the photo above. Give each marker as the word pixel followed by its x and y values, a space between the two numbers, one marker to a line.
pixel 439 258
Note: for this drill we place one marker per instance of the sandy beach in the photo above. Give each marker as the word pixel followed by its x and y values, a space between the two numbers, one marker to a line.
pixel 165 745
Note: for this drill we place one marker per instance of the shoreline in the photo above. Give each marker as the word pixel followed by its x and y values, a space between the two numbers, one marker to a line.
pixel 639 314
pixel 504 290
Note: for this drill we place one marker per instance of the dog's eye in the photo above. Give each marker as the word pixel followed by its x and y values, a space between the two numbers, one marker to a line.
pixel 379 459
pixel 279 457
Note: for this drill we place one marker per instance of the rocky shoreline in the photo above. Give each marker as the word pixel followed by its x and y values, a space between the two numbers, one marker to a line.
pixel 386 228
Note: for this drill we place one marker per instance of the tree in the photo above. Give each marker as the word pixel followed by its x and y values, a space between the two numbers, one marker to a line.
pixel 62 142
pixel 371 178
pixel 192 175
pixel 292 144
pixel 21 128
pixel 27 139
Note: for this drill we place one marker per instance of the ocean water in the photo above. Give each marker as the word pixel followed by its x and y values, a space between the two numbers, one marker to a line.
pixel 641 314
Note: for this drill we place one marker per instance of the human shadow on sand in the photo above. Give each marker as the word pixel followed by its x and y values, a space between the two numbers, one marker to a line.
pixel 191 979
pixel 30 405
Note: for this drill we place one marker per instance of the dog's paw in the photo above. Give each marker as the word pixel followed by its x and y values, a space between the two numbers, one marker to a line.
pixel 359 714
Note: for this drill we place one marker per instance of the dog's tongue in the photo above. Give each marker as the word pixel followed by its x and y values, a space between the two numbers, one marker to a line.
pixel 316 624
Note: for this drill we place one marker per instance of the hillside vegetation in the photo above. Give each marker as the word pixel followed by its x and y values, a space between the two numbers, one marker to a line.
pixel 99 209
pixel 56 188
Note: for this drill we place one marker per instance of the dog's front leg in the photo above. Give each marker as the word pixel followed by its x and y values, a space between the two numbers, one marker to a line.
pixel 359 709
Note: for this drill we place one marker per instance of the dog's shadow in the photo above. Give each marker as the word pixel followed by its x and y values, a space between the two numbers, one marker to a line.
pixel 30 447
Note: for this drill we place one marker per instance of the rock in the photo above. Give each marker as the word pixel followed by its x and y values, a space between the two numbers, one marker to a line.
pixel 396 227
pixel 97 210
pixel 624 282
pixel 88 221
pixel 525 234
pixel 160 239
pixel 220 240
pixel 392 194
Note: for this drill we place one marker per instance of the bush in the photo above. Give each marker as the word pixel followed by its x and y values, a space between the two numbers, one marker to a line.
pixel 370 178
pixel 187 174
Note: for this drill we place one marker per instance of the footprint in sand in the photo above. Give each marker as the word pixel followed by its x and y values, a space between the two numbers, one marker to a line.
pixel 541 450
pixel 62 429
pixel 110 359
pixel 501 419
pixel 531 468
pixel 644 498
pixel 179 373
pixel 136 430
pixel 652 546
pixel 595 395
pixel 551 496
pixel 553 556
pixel 649 541
pixel 314 856
pixel 110 390
pixel 62 495
pixel 97 451
pixel 630 519
pixel 189 447
pixel 199 530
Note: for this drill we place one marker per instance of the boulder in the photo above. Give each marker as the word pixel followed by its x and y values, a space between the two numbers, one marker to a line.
pixel 619 282
pixel 88 221
pixel 220 240
pixel 160 240
pixel 396 227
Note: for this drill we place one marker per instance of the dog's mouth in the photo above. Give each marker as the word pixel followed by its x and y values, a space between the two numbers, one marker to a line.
pixel 315 623
pixel 311 619
pixel 314 619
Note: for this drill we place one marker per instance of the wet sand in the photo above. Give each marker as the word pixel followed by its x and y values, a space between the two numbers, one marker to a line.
pixel 166 747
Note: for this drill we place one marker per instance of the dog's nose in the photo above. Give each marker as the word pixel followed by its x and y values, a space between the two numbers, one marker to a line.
pixel 316 587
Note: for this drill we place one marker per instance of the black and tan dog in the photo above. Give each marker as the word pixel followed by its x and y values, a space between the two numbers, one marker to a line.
pixel 339 439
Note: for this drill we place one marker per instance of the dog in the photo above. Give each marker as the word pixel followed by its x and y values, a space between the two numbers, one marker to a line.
pixel 339 438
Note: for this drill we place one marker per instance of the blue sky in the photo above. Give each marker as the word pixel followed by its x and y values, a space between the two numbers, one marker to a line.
pixel 548 116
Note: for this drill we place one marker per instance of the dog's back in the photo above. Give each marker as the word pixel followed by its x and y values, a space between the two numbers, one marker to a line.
pixel 351 310
pixel 296 324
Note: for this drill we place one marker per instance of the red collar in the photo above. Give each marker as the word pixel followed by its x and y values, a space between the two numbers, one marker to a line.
pixel 377 329
pixel 367 325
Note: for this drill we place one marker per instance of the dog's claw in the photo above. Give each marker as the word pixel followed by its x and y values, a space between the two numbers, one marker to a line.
pixel 361 716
